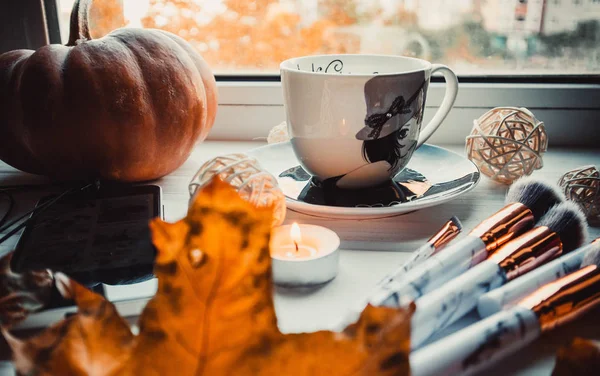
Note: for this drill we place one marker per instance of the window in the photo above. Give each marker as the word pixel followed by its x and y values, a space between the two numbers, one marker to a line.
pixel 493 37
pixel 551 68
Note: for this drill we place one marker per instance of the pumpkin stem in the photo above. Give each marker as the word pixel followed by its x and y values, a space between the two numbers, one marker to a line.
pixel 80 29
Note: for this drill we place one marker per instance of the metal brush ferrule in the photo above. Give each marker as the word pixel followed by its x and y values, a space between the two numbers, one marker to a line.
pixel 506 224
pixel 566 298
pixel 527 252
pixel 449 231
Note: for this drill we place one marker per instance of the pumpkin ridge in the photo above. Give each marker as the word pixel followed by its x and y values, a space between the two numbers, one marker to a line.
pixel 75 66
pixel 153 98
pixel 208 82
pixel 136 58
pixel 174 89
pixel 200 90
pixel 202 115
pixel 63 66
pixel 87 102
pixel 40 91
pixel 12 149
pixel 147 96
pixel 197 105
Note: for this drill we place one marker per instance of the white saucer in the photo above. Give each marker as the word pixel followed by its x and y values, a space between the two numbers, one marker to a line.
pixel 433 176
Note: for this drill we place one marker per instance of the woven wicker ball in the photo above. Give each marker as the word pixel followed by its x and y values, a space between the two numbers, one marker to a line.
pixel 582 185
pixel 507 143
pixel 244 173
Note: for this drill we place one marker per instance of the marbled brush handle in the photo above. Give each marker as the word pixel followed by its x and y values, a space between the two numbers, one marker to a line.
pixel 493 301
pixel 431 273
pixel 471 349
pixel 442 307
pixel 417 257
pixel 386 283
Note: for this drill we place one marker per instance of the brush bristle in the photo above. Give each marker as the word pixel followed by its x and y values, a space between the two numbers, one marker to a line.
pixel 568 221
pixel 592 257
pixel 457 222
pixel 538 195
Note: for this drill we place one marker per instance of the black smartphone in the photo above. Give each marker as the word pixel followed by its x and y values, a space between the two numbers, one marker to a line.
pixel 100 238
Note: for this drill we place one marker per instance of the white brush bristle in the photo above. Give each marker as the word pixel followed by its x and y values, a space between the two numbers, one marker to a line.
pixel 568 221
pixel 457 222
pixel 535 193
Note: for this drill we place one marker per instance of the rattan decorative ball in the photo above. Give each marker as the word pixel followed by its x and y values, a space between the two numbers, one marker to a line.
pixel 582 185
pixel 245 174
pixel 507 143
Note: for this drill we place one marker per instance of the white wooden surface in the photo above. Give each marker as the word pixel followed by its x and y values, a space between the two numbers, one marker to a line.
pixel 370 248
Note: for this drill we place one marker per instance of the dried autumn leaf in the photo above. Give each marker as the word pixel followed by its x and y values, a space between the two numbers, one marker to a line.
pixel 93 342
pixel 581 357
pixel 213 313
pixel 22 293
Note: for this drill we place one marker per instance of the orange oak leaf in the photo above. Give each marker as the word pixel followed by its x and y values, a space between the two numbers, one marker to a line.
pixel 22 293
pixel 213 313
pixel 92 342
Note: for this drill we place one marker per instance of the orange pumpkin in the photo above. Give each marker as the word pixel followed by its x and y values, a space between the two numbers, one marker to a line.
pixel 129 106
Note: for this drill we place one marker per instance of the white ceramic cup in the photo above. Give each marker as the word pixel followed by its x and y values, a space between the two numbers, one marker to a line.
pixel 356 119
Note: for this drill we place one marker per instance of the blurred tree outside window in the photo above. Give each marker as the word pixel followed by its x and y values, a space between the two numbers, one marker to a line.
pixel 474 37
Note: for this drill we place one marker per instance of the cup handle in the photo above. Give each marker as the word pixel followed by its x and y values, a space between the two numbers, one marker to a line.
pixel 449 98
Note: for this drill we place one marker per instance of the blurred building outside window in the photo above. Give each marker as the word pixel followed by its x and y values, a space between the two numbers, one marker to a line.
pixel 474 37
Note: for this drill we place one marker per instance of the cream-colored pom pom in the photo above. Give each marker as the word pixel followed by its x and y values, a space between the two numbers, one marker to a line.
pixel 244 173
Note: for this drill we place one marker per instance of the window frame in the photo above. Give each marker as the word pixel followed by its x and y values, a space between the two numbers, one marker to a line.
pixel 24 25
pixel 249 106
pixel 570 111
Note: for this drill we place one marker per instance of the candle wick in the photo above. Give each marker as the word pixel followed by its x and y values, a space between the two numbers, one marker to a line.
pixel 296 244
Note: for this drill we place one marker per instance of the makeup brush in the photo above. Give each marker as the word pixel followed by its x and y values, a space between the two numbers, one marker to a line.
pixel 527 200
pixel 559 231
pixel 471 349
pixel 507 295
pixel 435 244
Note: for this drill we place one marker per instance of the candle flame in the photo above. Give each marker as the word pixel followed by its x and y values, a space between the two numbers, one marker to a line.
pixel 295 233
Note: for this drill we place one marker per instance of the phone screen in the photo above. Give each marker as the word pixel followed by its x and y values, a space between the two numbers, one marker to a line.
pixel 94 237
pixel 101 239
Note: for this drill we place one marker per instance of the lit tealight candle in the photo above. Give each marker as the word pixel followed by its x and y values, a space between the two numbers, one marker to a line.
pixel 304 255
pixel 296 249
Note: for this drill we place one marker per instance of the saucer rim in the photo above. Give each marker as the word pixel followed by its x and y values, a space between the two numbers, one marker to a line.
pixel 328 211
